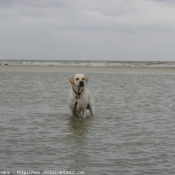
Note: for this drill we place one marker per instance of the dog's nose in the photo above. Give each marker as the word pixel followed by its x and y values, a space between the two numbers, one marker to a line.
pixel 81 83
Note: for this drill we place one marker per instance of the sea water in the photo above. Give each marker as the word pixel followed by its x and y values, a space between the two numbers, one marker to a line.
pixel 132 132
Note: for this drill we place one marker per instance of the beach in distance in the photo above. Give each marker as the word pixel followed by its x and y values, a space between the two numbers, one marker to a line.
pixel 85 69
pixel 88 66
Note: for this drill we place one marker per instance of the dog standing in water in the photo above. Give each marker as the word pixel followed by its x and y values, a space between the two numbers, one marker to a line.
pixel 79 98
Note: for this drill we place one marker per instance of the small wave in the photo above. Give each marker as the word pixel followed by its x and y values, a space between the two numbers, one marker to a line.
pixel 134 64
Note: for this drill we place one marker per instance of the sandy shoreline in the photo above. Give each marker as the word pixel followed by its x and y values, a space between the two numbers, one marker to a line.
pixel 74 69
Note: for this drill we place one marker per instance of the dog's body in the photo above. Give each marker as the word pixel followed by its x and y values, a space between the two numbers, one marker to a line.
pixel 79 94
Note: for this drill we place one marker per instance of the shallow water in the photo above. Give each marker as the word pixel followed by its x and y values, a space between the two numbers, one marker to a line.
pixel 132 133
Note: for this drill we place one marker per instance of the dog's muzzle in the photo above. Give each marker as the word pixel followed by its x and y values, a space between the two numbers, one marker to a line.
pixel 81 84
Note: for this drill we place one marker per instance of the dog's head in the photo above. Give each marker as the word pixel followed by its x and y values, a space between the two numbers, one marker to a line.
pixel 78 80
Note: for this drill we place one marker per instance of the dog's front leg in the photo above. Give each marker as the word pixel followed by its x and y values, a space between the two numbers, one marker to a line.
pixel 73 113
pixel 84 113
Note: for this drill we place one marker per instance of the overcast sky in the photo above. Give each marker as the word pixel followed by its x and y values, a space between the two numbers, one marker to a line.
pixel 87 30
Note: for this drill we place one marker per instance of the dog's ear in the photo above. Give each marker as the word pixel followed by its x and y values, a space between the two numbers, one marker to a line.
pixel 86 78
pixel 71 79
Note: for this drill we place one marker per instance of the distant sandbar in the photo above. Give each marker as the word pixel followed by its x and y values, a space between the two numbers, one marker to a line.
pixel 85 69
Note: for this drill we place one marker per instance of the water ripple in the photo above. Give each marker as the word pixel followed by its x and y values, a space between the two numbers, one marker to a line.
pixel 132 132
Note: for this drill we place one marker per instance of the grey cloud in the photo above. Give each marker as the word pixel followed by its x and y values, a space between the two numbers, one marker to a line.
pixel 51 29
pixel 164 1
pixel 6 4
pixel 34 3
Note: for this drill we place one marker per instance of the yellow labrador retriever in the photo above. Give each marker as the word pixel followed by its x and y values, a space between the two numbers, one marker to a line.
pixel 79 98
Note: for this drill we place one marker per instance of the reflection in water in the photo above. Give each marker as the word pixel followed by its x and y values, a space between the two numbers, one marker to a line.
pixel 78 144
pixel 79 126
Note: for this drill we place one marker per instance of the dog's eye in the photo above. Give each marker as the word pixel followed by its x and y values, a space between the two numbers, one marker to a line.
pixel 77 78
pixel 83 79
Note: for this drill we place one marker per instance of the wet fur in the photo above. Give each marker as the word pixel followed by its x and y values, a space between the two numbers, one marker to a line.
pixel 86 100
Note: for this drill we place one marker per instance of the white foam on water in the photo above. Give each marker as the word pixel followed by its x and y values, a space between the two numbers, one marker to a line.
pixel 146 64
